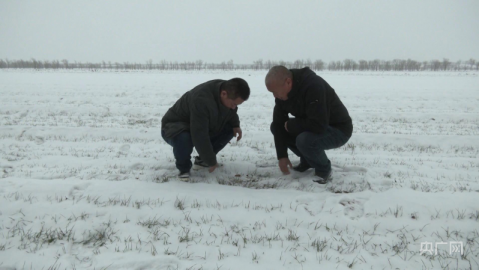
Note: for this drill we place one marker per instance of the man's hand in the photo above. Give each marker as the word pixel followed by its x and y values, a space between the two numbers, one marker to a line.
pixel 238 132
pixel 286 126
pixel 283 165
pixel 213 168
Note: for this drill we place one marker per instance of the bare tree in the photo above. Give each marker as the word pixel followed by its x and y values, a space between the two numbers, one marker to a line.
pixel 347 64
pixel 199 64
pixel 318 65
pixel 363 65
pixel 298 64
pixel 458 65
pixel 149 64
pixel 471 62
pixel 258 64
pixel 308 63
pixel 435 65
pixel 230 65
pixel 445 64
pixel 425 65
pixel 332 66
pixel 65 63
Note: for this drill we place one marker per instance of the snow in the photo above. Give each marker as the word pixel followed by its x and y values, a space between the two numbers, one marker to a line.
pixel 86 180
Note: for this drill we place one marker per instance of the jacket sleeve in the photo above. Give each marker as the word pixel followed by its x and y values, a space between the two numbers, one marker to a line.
pixel 280 116
pixel 235 122
pixel 317 116
pixel 199 129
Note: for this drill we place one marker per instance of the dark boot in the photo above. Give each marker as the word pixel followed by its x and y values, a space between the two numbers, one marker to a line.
pixel 302 167
pixel 199 164
pixel 184 176
pixel 323 178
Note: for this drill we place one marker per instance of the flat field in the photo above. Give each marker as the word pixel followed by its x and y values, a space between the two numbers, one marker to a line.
pixel 87 182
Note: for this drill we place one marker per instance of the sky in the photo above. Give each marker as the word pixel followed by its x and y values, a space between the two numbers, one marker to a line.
pixel 242 31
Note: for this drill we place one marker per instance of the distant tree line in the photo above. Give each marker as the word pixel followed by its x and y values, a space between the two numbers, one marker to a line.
pixel 345 65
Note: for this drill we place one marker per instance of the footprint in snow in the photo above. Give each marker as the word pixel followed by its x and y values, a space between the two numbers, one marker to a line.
pixel 23 114
pixel 125 149
pixel 353 209
pixel 39 140
pixel 78 189
pixel 358 169
pixel 5 172
pixel 266 164
pixel 137 166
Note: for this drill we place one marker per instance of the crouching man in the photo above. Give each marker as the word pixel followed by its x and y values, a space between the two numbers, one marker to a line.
pixel 205 118
pixel 321 120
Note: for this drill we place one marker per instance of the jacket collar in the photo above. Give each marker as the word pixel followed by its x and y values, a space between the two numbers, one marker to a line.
pixel 218 93
pixel 298 76
pixel 296 82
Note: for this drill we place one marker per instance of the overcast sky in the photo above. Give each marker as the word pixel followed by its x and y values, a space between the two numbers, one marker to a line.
pixel 243 31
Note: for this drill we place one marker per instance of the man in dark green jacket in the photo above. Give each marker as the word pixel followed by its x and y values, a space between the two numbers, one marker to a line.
pixel 321 120
pixel 204 118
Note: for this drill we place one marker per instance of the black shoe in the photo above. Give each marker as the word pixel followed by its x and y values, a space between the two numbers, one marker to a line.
pixel 184 176
pixel 199 163
pixel 302 167
pixel 323 178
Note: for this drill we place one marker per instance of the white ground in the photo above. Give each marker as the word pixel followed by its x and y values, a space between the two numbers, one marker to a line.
pixel 87 182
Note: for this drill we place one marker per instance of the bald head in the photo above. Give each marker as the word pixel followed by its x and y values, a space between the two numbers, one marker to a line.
pixel 279 81
pixel 278 74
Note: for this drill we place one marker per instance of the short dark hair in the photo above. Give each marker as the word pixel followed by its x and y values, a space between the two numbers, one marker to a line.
pixel 236 88
pixel 278 73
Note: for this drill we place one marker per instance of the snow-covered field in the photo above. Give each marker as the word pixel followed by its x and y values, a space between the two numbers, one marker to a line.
pixel 86 181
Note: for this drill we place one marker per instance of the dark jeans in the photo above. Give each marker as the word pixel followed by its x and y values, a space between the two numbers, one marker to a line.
pixel 310 147
pixel 183 146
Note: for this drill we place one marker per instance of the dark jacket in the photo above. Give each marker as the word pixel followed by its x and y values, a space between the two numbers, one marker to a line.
pixel 315 106
pixel 200 112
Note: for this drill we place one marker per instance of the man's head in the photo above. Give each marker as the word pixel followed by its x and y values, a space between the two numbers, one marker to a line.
pixel 279 81
pixel 234 92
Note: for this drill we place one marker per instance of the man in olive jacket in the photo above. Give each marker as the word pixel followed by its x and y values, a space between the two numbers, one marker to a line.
pixel 205 118
pixel 321 120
